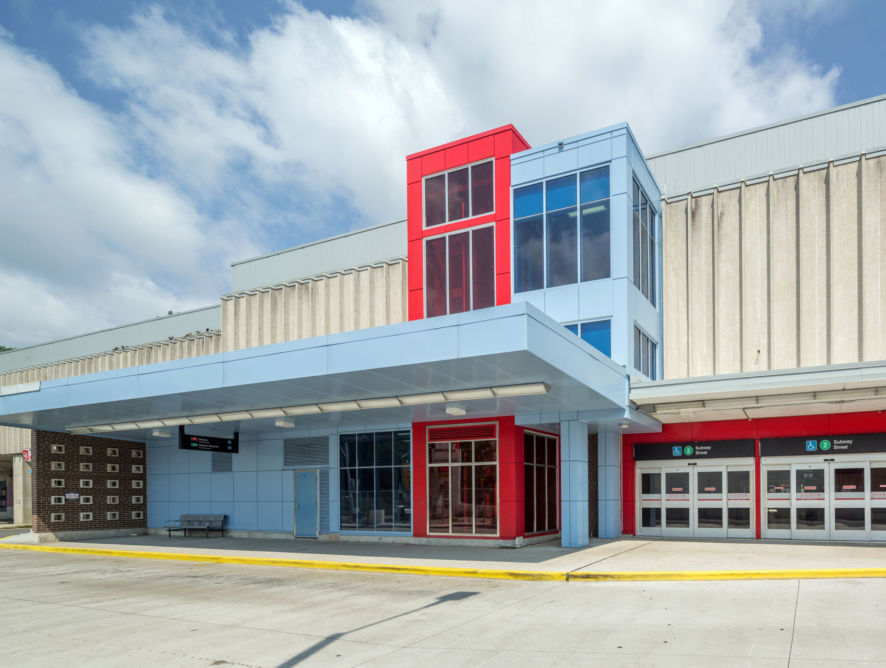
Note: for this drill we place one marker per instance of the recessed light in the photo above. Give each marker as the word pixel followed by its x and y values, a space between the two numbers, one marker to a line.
pixel 284 424
pixel 455 410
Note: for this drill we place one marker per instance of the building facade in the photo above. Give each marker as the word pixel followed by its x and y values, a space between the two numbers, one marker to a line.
pixel 566 340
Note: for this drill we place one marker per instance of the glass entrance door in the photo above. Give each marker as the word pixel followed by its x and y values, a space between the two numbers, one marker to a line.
pixel 878 500
pixel 739 502
pixel 849 501
pixel 710 501
pixel 677 502
pixel 650 503
pixel 810 516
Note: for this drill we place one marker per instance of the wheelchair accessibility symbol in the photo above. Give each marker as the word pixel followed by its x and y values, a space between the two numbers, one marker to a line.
pixel 676 451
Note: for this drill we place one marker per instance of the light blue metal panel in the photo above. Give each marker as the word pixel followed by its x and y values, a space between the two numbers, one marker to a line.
pixel 198 462
pixel 270 486
pixel 179 460
pixel 622 323
pixel 287 491
pixel 245 516
pixel 202 376
pixel 176 510
pixel 179 487
pixel 619 178
pixel 594 300
pixel 259 368
pixel 109 389
pixel 158 458
pixel 223 508
pixel 561 161
pixel 619 145
pixel 158 487
pixel 489 337
pixel 409 348
pixel 524 171
pixel 269 455
pixel 200 507
pixel 594 153
pixel 270 516
pixel 561 303
pixel 288 510
pixel 573 484
pixel 534 297
pixel 222 486
pixel 200 486
pixel 245 486
pixel 245 459
pixel 158 513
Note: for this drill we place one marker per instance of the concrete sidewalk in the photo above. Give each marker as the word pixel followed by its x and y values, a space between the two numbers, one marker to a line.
pixel 621 559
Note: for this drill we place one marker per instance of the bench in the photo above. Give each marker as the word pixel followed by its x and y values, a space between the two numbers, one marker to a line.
pixel 187 523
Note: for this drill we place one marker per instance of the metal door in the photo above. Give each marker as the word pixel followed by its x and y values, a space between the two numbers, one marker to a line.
pixel 306 503
pixel 710 501
pixel 677 501
pixel 878 500
pixel 811 519
pixel 850 483
pixel 739 502
pixel 777 495
pixel 649 488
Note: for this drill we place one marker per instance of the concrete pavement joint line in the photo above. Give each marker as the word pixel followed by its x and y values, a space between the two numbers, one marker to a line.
pixel 794 625
pixel 485 573
pixel 617 554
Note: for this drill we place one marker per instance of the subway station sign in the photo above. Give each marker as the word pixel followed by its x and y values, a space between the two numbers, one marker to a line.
pixel 208 443
pixel 694 450
pixel 822 445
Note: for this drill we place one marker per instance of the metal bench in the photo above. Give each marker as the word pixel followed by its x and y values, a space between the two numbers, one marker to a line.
pixel 187 523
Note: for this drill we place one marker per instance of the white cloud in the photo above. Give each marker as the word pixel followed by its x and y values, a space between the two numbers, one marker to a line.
pixel 303 132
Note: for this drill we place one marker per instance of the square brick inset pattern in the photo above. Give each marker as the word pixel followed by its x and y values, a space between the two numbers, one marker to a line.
pixel 103 451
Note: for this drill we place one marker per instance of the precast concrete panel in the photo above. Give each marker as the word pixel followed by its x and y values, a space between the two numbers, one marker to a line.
pixel 785 272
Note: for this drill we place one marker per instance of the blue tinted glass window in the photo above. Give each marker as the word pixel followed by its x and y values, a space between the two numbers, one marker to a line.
pixel 562 247
pixel 561 192
pixel 572 328
pixel 527 200
pixel 595 184
pixel 529 260
pixel 597 333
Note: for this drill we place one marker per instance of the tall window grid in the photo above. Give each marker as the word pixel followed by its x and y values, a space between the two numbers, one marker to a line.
pixel 459 193
pixel 460 271
pixel 645 351
pixel 374 490
pixel 644 242
pixel 561 230
pixel 540 483
pixel 463 487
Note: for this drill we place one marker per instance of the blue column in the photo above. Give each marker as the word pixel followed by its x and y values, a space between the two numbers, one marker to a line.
pixel 573 484
pixel 609 484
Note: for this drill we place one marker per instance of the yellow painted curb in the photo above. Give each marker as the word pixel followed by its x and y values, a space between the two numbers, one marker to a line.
pixel 488 573
pixel 788 574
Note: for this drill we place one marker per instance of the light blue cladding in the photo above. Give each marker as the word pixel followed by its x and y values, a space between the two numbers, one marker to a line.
pixel 614 297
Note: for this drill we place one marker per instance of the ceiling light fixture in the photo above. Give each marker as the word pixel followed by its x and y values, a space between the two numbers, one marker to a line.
pixel 457 411
pixel 284 424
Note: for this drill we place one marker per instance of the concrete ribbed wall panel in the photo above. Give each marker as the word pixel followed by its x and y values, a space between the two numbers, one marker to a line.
pixel 788 272
pixel 13 440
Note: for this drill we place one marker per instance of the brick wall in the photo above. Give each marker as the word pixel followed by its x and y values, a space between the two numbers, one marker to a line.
pixel 592 485
pixel 63 464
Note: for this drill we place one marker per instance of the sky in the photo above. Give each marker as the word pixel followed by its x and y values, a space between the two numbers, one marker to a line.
pixel 146 146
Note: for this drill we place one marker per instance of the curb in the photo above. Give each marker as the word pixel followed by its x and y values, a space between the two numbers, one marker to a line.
pixel 485 573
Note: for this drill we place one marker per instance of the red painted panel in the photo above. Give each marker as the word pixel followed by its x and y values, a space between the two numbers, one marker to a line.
pixel 415 266
pixel 721 431
pixel 858 423
pixel 503 246
pixel 419 480
pixel 456 156
pixel 416 304
pixel 414 207
pixel 792 426
pixel 433 163
pixel 503 145
pixel 463 433
pixel 503 188
pixel 518 143
pixel 481 148
pixel 502 289
pixel 413 170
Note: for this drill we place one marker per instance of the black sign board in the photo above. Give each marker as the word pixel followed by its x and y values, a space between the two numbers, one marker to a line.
pixel 694 450
pixel 208 443
pixel 822 445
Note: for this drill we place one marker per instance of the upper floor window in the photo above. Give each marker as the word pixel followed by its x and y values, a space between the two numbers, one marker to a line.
pixel 460 271
pixel 458 194
pixel 561 230
pixel 645 352
pixel 596 332
pixel 644 243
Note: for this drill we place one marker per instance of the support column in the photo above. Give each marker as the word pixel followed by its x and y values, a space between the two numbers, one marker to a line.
pixel 609 484
pixel 573 484
pixel 21 490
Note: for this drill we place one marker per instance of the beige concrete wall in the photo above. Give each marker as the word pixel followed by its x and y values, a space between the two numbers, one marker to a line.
pixel 344 301
pixel 161 351
pixel 784 273
pixel 13 440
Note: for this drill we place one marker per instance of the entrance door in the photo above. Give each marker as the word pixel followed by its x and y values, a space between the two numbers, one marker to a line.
pixel 811 501
pixel 739 502
pixel 306 506
pixel 650 503
pixel 710 501
pixel 878 500
pixel 848 516
pixel 677 502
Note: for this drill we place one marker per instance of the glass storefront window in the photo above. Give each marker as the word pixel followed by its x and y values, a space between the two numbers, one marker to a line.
pixel 651 517
pixel 459 194
pixel 778 518
pixel 374 481
pixel 460 271
pixel 878 519
pixel 778 481
pixel 650 483
pixel 809 518
pixel 710 482
pixel 677 483
pixel 849 519
pixel 463 487
pixel 739 518
pixel 849 481
pixel 710 518
pixel 677 518
pixel 540 469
